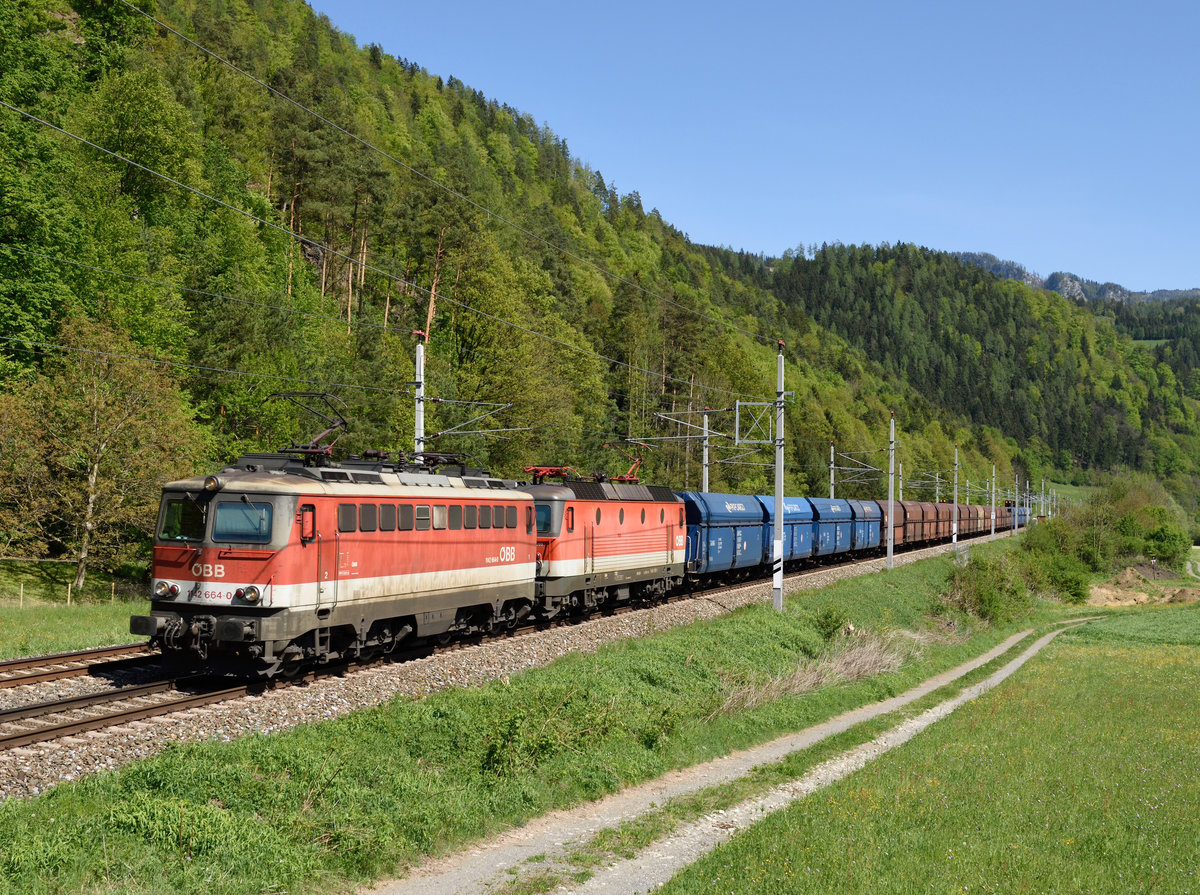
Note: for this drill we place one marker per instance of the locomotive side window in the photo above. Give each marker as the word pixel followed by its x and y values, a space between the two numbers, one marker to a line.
pixel 242 520
pixel 422 518
pixel 485 517
pixel 681 517
pixel 456 517
pixel 497 517
pixel 528 520
pixel 470 515
pixel 347 517
pixel 308 523
pixel 621 516
pixel 662 515
pixel 406 517
pixel 183 520
pixel 368 517
pixel 439 518
pixel 570 518
pixel 387 517
pixel 643 515
pixel 510 517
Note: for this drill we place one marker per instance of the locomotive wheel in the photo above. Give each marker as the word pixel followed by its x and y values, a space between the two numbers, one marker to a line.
pixel 289 671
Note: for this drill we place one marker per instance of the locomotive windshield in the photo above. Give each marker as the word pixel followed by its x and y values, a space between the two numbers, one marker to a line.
pixel 243 520
pixel 183 519
pixel 544 519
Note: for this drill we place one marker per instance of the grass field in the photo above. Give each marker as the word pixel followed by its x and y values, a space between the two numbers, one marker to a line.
pixel 1081 774
pixel 35 618
pixel 354 798
pixel 36 630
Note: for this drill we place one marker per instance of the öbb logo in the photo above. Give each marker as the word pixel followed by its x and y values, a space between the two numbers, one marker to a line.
pixel 206 570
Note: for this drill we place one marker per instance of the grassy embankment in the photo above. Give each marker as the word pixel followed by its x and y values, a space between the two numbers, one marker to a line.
pixel 35 617
pixel 1081 774
pixel 354 798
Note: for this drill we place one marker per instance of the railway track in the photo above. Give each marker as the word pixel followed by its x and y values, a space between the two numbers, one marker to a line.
pixel 36 669
pixel 44 721
pixel 41 722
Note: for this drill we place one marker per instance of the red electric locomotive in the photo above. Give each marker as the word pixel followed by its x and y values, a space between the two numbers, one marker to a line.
pixel 601 543
pixel 278 561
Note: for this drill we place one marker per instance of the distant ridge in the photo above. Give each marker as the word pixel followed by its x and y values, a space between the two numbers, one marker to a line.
pixel 1069 285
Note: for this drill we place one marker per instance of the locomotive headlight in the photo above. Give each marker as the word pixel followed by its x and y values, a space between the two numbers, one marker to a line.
pixel 251 594
pixel 161 589
pixel 212 483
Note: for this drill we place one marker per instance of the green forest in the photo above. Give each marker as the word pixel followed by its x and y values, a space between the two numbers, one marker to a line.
pixel 206 203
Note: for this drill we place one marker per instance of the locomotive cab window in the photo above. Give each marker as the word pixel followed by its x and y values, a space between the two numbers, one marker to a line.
pixel 243 520
pixel 183 520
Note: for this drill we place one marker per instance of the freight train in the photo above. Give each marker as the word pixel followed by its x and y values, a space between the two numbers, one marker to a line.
pixel 282 561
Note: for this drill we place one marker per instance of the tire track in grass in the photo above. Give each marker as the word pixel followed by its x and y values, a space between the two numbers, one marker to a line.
pixel 659 863
pixel 488 866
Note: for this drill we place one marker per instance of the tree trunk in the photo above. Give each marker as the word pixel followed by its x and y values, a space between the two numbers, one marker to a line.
pixel 89 515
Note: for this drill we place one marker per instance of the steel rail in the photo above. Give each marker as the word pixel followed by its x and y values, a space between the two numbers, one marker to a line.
pixel 16 672
pixel 184 702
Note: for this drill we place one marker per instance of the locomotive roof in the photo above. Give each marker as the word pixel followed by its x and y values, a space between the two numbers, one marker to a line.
pixel 282 472
pixel 601 491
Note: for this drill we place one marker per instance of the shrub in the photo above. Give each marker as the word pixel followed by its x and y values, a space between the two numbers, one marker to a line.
pixel 1062 575
pixel 829 622
pixel 990 589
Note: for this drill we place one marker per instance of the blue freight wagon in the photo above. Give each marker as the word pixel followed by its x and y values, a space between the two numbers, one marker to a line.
pixel 867 521
pixel 724 532
pixel 833 521
pixel 797 527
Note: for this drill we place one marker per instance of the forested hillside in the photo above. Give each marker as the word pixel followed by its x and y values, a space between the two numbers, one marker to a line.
pixel 1064 383
pixel 229 200
pixel 1172 330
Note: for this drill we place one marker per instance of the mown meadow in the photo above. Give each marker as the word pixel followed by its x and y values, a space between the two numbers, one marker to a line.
pixel 1079 774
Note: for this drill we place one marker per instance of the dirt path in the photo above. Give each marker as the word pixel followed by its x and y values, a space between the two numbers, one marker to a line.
pixel 486 867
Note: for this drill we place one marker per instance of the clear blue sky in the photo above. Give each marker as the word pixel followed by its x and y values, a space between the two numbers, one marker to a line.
pixel 1061 135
